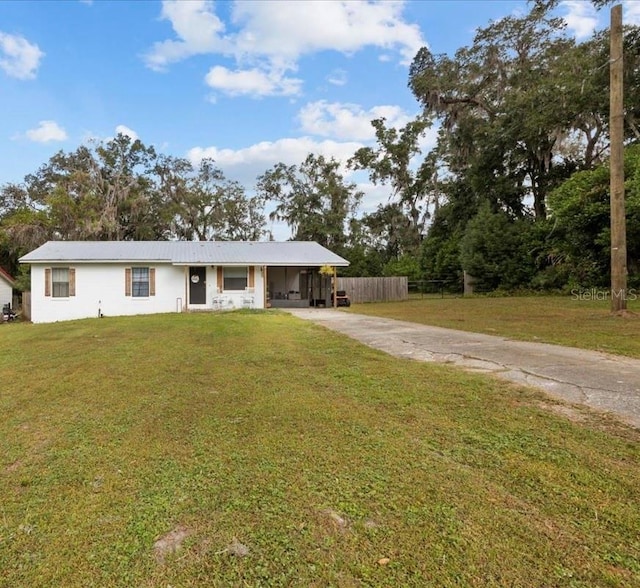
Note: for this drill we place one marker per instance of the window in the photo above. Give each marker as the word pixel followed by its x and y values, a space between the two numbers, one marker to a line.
pixel 235 278
pixel 140 282
pixel 60 282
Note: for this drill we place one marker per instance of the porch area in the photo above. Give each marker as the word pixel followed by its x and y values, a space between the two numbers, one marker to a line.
pixel 297 287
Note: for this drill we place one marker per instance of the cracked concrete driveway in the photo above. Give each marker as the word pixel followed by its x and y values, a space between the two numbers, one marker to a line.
pixel 604 382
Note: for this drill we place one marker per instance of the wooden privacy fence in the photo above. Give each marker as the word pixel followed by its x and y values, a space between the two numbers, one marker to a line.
pixel 375 289
pixel 26 306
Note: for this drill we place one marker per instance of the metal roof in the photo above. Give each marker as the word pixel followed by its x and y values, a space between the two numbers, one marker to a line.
pixel 289 253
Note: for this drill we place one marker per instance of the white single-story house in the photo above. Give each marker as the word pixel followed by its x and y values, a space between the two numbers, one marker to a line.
pixel 81 279
pixel 6 288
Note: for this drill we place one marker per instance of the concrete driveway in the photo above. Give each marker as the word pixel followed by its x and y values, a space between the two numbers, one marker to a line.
pixel 604 382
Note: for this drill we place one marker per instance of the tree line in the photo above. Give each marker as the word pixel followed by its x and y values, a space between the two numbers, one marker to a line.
pixel 523 145
pixel 515 192
pixel 121 189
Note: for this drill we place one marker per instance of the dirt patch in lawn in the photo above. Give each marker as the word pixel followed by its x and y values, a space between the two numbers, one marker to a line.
pixel 169 543
pixel 12 467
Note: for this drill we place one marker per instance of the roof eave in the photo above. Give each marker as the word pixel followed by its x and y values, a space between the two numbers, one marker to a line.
pixel 257 262
pixel 81 261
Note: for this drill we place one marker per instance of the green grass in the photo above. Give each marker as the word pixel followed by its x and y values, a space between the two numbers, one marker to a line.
pixel 320 455
pixel 587 324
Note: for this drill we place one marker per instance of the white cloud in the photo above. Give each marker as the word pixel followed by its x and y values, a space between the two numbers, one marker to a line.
pixel 246 164
pixel 47 130
pixel 631 12
pixel 581 17
pixel 348 121
pixel 288 150
pixel 270 36
pixel 284 30
pixel 124 130
pixel 253 82
pixel 19 58
pixel 197 28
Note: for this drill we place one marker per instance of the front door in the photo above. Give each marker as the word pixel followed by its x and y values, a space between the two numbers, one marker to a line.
pixel 197 285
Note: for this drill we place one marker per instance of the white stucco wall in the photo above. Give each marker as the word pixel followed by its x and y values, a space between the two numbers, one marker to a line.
pixel 5 292
pixel 101 288
pixel 234 298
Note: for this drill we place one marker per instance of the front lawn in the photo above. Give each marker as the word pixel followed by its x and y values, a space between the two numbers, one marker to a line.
pixel 255 449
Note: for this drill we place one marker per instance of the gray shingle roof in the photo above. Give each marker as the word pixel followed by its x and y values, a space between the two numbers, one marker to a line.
pixel 291 253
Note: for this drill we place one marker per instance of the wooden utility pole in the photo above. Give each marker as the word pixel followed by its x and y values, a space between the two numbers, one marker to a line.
pixel 616 138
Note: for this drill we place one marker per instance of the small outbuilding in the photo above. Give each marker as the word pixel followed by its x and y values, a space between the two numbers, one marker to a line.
pixel 82 279
pixel 7 284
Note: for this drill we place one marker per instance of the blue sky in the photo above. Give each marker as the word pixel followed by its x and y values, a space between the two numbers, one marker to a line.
pixel 249 83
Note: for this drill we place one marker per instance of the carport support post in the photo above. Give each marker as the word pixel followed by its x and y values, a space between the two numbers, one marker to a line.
pixel 265 287
pixel 186 287
pixel 335 286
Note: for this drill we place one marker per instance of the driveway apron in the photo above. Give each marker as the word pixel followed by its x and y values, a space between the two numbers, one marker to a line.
pixel 601 381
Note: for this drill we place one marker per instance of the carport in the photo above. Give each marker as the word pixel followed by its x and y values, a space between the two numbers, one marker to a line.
pixel 298 287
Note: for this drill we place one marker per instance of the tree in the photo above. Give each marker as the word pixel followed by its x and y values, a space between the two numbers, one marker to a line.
pixel 414 188
pixel 121 190
pixel 390 232
pixel 312 198
pixel 24 225
pixel 121 178
pixel 87 194
pixel 492 250
pixel 548 5
pixel 521 108
pixel 581 231
pixel 202 204
pixel 22 230
pixel 364 259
